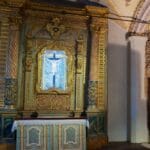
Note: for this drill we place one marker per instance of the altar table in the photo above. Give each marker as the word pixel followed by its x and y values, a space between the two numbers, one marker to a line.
pixel 51 134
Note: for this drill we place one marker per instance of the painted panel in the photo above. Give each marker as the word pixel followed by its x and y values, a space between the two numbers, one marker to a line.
pixel 33 137
pixel 8 122
pixel 55 137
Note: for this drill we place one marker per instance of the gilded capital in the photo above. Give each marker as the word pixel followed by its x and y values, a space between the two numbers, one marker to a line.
pixel 96 11
pixel 94 28
pixel 16 3
pixel 15 23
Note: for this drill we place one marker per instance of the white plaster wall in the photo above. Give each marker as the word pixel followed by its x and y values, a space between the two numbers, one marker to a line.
pixel 139 130
pixel 117 83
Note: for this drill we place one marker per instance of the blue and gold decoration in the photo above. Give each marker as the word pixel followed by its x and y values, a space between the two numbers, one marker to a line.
pixel 51 137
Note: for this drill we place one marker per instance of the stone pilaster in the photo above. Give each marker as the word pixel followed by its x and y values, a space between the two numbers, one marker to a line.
pixel 147 73
pixel 138 98
pixel 147 56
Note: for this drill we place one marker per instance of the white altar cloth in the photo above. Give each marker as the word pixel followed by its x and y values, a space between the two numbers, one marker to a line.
pixel 84 122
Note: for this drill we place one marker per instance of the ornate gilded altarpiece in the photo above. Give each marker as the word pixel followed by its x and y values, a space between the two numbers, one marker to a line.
pixel 71 33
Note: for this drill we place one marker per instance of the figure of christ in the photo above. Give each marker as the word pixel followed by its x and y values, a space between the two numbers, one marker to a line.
pixel 54 67
pixel 54 70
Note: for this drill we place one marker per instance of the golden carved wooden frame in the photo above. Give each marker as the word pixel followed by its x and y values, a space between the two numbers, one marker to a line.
pixel 70 68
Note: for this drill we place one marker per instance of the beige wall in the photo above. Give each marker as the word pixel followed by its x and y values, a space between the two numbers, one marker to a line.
pixel 117 83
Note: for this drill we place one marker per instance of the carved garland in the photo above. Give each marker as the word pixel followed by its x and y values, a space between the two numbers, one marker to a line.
pixel 102 66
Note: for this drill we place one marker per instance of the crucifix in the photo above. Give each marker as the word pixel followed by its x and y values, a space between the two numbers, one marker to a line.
pixel 54 63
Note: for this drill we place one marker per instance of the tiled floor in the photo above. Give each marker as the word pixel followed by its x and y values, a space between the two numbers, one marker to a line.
pixel 125 146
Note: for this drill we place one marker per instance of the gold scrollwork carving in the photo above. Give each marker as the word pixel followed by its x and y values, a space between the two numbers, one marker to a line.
pixel 55 28
pixel 102 67
pixel 80 64
pixel 80 43
pixel 53 102
pixel 29 45
pixel 29 60
pixel 80 52
pixel 95 28
pixel 93 91
pixel 28 63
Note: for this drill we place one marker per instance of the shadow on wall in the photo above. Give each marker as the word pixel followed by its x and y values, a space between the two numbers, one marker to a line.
pixel 117 92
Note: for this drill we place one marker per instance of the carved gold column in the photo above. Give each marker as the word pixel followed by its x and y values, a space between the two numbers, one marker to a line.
pixel 80 81
pixel 29 103
pixel 93 77
pixel 102 65
pixel 4 32
pixel 12 58
pixel 97 75
pixel 12 64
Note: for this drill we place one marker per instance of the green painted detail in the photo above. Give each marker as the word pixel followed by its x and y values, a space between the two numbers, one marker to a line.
pixel 33 137
pixel 8 122
pixel 18 138
pixel 97 124
pixel 84 138
pixel 49 137
pixel 101 123
pixel 1 130
pixel 56 136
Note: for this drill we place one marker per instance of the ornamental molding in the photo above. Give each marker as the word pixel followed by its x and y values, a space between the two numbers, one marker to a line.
pixel 55 28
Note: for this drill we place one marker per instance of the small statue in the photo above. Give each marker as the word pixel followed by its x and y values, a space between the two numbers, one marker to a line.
pixel 72 114
pixel 19 115
pixel 34 114
pixel 83 114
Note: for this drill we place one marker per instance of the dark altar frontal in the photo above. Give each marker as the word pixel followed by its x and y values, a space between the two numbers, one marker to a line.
pixel 55 63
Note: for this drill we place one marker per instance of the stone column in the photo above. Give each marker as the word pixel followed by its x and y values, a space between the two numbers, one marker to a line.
pixel 138 99
pixel 147 67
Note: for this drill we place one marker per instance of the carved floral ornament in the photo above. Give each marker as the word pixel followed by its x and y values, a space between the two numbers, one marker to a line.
pixel 15 22
pixel 55 28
